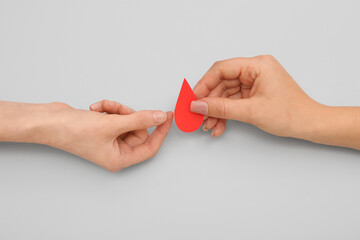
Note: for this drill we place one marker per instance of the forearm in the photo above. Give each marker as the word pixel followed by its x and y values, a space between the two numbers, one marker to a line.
pixel 339 126
pixel 24 122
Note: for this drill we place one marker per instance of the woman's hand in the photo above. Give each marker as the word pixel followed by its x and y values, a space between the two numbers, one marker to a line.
pixel 259 91
pixel 255 90
pixel 114 140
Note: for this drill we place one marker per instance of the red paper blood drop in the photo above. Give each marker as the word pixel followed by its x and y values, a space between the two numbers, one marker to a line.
pixel 186 120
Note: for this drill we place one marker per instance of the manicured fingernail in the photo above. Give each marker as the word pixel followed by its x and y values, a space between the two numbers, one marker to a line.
pixel 159 116
pixel 213 133
pixel 95 106
pixel 199 107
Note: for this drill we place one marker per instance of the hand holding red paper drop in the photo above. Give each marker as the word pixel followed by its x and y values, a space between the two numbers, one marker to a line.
pixel 255 90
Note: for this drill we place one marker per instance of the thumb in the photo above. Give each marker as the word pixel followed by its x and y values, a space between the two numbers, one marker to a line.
pixel 141 120
pixel 235 109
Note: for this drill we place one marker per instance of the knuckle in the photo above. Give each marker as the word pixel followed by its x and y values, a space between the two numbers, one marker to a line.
pixel 217 64
pixel 266 58
pixel 121 108
pixel 107 103
pixel 221 109
pixel 59 105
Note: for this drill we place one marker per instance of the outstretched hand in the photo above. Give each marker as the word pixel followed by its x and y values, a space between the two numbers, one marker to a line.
pixel 131 142
pixel 111 135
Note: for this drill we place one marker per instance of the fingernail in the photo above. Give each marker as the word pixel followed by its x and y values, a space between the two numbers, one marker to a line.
pixel 213 133
pixel 204 127
pixel 159 116
pixel 95 106
pixel 199 107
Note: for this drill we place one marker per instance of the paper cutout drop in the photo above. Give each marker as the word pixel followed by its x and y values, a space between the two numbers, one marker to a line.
pixel 186 120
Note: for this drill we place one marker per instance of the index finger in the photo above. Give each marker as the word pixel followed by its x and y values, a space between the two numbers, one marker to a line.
pixel 111 107
pixel 222 70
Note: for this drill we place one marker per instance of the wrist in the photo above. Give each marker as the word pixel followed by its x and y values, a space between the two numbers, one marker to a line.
pixel 310 121
pixel 49 125
pixel 337 126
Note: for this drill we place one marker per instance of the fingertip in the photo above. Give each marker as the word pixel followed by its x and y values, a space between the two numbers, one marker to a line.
pixel 159 117
pixel 170 114
pixel 213 132
pixel 218 132
pixel 219 129
pixel 204 127
pixel 169 118
pixel 199 107
pixel 156 139
pixel 164 128
pixel 95 106
pixel 211 123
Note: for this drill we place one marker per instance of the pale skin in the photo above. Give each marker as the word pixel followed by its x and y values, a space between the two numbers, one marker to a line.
pixel 259 91
pixel 255 90
pixel 111 135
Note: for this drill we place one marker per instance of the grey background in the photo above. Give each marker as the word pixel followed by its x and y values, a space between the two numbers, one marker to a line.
pixel 246 184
